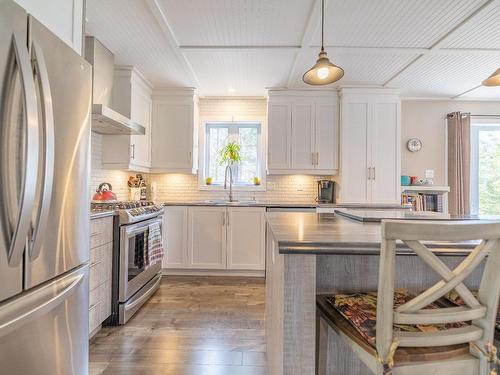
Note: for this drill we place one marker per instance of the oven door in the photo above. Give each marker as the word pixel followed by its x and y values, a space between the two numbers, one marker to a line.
pixel 134 272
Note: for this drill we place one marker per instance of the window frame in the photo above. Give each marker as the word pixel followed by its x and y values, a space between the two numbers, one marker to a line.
pixel 204 160
pixel 476 126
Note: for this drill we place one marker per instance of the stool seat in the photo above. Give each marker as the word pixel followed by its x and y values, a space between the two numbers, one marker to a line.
pixel 357 321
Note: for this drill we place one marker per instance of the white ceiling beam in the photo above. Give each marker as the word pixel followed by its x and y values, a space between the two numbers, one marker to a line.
pixel 437 46
pixel 344 49
pixel 169 35
pixel 312 25
pixel 191 48
pixel 466 92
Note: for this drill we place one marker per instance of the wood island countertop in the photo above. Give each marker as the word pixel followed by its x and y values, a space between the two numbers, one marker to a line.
pixel 320 234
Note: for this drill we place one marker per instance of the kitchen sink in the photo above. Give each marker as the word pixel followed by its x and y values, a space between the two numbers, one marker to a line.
pixel 234 202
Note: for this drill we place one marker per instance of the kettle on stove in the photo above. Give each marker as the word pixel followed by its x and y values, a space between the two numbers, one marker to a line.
pixel 104 194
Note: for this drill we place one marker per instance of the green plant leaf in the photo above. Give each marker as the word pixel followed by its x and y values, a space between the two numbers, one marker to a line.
pixel 230 154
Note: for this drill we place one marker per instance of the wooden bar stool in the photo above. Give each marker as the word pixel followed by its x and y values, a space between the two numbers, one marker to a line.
pixel 393 331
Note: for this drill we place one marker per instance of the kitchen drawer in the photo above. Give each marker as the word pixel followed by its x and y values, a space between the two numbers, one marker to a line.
pixel 101 259
pixel 94 310
pixel 102 256
pixel 105 299
pixel 101 231
pixel 99 305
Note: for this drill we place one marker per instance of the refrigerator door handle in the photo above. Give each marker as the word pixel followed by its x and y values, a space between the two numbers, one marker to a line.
pixel 27 196
pixel 40 226
pixel 12 317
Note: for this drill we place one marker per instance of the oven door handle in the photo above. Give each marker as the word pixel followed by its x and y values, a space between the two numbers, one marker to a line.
pixel 132 230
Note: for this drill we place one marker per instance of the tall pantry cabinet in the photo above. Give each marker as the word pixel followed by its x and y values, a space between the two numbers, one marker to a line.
pixel 370 157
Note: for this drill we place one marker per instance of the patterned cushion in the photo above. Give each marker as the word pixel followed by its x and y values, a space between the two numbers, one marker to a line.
pixel 457 300
pixel 360 309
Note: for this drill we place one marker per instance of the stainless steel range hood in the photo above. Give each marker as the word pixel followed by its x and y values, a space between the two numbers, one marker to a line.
pixel 105 120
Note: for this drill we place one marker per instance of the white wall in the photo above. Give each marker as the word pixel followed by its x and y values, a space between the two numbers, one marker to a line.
pixel 426 120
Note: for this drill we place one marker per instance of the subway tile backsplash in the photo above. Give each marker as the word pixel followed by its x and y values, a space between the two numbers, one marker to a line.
pixel 184 187
pixel 118 179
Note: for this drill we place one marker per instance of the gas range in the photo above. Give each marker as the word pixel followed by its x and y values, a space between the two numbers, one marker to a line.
pixel 130 211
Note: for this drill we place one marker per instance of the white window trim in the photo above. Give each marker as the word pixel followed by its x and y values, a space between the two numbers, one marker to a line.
pixel 477 124
pixel 203 151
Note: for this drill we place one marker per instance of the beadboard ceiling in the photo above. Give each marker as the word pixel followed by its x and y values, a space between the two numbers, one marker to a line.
pixel 427 48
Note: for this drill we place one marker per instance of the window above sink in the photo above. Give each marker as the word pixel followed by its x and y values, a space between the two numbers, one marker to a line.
pixel 248 174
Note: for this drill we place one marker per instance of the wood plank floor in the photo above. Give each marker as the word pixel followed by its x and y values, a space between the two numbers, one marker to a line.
pixel 192 325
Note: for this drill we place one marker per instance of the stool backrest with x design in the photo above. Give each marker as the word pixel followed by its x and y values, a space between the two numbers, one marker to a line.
pixel 482 311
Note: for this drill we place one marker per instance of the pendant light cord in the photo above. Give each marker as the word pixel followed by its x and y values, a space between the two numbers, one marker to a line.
pixel 322 23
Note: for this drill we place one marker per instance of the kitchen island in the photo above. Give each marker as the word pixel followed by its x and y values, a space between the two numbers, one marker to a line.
pixel 309 253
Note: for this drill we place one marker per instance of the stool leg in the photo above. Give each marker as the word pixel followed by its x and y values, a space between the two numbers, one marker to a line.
pixel 321 345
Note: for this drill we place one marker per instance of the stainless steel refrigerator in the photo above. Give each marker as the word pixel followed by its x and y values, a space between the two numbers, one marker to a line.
pixel 45 102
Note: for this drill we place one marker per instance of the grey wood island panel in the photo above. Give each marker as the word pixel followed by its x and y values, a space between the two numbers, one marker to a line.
pixel 309 253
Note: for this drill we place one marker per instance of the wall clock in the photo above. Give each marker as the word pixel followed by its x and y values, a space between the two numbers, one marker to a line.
pixel 414 144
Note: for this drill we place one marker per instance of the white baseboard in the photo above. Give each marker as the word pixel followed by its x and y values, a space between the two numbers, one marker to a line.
pixel 197 272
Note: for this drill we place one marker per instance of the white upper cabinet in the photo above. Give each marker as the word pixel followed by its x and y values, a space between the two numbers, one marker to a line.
pixel 303 132
pixel 174 132
pixel 63 17
pixel 132 98
pixel 303 135
pixel 280 116
pixel 370 146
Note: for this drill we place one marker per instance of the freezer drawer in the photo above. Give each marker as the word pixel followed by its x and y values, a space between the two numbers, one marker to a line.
pixel 45 331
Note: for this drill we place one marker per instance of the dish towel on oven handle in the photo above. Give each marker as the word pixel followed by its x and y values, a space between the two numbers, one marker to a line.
pixel 155 247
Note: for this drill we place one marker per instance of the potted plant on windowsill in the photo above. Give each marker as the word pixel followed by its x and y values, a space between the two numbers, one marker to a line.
pixel 230 154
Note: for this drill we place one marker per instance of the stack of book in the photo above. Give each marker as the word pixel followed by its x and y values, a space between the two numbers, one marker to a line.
pixel 423 202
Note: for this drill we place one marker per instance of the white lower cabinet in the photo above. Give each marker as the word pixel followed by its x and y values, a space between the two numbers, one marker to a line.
pixel 214 238
pixel 175 224
pixel 245 238
pixel 207 237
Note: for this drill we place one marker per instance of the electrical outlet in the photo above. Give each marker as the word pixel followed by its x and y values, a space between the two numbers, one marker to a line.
pixel 429 173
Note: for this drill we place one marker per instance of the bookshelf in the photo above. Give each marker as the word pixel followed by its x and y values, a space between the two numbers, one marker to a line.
pixel 426 197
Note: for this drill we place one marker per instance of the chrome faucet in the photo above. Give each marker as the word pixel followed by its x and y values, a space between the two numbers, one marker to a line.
pixel 228 169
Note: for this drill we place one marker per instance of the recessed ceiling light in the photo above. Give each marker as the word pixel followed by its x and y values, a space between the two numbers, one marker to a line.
pixel 231 90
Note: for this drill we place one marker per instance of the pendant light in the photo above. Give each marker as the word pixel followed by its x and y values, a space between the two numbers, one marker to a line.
pixel 493 80
pixel 323 72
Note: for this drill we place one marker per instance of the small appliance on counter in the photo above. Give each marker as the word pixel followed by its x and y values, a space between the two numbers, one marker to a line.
pixel 326 191
pixel 104 194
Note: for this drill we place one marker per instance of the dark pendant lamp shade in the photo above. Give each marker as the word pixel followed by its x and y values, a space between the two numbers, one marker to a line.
pixel 493 80
pixel 324 71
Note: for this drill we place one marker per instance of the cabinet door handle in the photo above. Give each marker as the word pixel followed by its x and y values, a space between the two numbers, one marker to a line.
pixel 369 173
pixel 374 173
pixel 227 221
pixel 313 156
pixel 317 158
pixel 190 156
pixel 132 154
